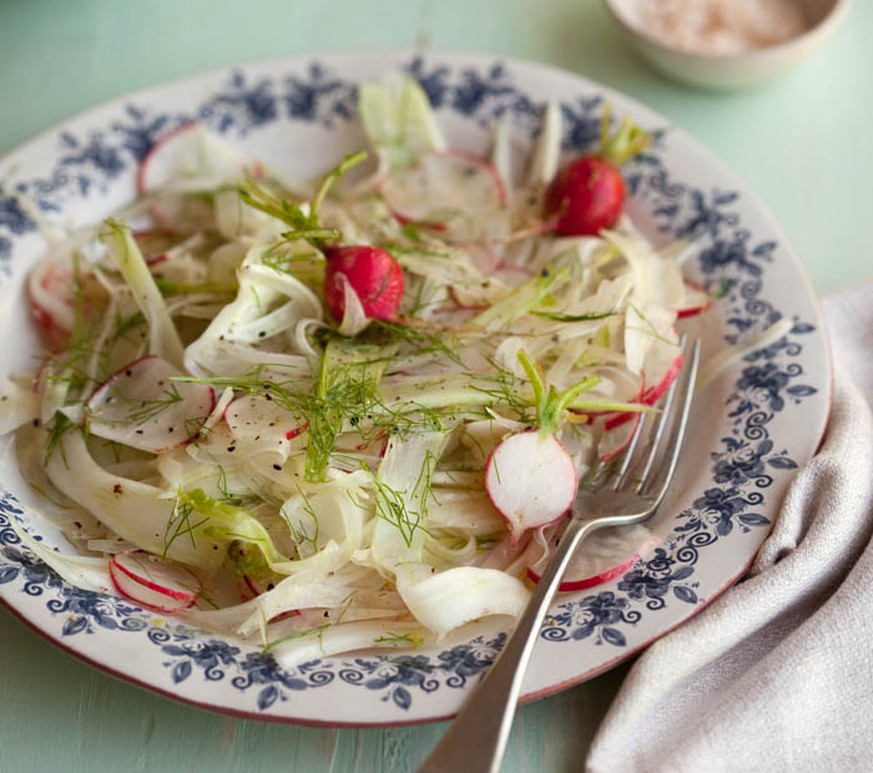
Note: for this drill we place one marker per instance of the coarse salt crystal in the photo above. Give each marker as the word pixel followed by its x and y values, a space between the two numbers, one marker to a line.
pixel 722 26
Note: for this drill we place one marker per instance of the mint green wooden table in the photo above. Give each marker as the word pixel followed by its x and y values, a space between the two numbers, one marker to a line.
pixel 801 143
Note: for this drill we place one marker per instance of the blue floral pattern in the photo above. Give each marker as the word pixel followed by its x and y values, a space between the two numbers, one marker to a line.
pixel 731 261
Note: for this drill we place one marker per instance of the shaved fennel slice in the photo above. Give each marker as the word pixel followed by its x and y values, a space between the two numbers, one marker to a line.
pixel 547 152
pixel 450 599
pixel 333 513
pixel 261 427
pixel 247 319
pixel 90 573
pixel 19 404
pixel 403 491
pixel 727 356
pixel 135 511
pixel 143 407
pixel 316 591
pixel 501 150
pixel 453 549
pixel 466 511
pixel 655 281
pixel 233 218
pixel 344 637
pixel 190 528
pixel 647 332
pixel 164 339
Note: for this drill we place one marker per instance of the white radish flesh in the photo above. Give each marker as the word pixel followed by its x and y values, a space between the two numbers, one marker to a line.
pixel 190 160
pixel 531 479
pixel 152 583
pixel 442 189
pixel 649 395
pixel 143 407
pixel 604 556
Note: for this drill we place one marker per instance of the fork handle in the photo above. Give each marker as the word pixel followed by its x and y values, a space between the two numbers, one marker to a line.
pixel 476 739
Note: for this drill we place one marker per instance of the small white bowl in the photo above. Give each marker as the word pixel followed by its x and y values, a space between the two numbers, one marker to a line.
pixel 729 71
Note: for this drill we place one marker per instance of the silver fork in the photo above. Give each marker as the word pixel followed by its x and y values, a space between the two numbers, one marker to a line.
pixel 630 491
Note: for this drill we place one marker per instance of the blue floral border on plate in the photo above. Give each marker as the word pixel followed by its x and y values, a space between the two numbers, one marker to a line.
pixel 732 262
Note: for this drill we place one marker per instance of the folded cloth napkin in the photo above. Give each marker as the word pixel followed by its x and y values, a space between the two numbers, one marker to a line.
pixel 776 673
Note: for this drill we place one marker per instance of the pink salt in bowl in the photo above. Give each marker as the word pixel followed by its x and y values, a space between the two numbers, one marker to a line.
pixel 726 58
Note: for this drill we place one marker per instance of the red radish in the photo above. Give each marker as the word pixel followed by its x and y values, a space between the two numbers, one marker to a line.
pixel 618 435
pixel 52 291
pixel 604 556
pixel 531 479
pixel 588 194
pixel 142 406
pixel 443 186
pixel 184 149
pixel 648 395
pixel 371 272
pixel 170 150
pixel 152 583
pixel 699 301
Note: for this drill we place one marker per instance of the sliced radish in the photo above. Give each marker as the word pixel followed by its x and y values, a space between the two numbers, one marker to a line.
pixel 164 157
pixel 648 395
pixel 531 480
pixel 441 190
pixel 697 302
pixel 259 422
pixel 605 555
pixel 141 406
pixel 52 292
pixel 152 583
pixel 190 151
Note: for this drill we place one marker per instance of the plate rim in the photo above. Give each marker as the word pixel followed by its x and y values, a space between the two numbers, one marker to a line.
pixel 281 65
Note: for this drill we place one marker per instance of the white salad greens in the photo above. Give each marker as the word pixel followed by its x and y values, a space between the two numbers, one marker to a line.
pixel 272 409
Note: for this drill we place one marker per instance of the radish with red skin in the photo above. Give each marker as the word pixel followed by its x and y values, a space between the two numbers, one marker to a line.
pixel 50 294
pixel 152 583
pixel 182 144
pixel 142 406
pixel 441 184
pixel 604 556
pixel 56 293
pixel 529 477
pixel 648 396
pixel 187 145
pixel 371 272
pixel 702 301
pixel 588 194
pixel 590 581
pixel 150 174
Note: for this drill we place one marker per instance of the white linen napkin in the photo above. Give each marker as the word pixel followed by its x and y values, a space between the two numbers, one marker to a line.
pixel 777 673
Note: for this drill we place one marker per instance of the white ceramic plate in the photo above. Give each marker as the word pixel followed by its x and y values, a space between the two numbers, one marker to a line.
pixel 752 428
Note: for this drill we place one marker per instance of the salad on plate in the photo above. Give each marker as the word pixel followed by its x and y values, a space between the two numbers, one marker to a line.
pixel 351 412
